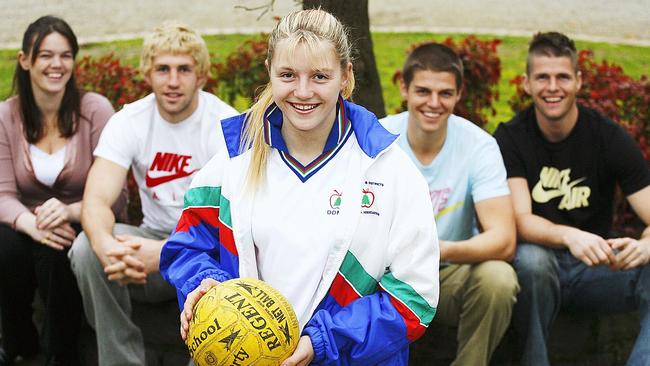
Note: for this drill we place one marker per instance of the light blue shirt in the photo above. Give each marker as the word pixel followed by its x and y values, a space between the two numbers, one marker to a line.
pixel 468 169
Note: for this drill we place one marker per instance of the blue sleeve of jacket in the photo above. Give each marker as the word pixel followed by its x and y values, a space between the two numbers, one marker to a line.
pixel 198 248
pixel 187 259
pixel 368 331
pixel 202 245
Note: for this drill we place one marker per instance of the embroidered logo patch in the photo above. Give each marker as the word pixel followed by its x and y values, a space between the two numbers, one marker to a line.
pixel 335 202
pixel 368 198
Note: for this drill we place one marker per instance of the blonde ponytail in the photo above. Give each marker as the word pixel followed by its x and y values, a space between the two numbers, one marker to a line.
pixel 253 137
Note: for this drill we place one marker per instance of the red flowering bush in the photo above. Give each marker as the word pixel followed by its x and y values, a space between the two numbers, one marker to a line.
pixel 607 89
pixel 482 70
pixel 121 84
pixel 243 72
pixel 106 75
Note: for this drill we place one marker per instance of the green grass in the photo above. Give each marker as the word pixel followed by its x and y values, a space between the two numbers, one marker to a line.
pixel 7 66
pixel 390 51
pixel 129 51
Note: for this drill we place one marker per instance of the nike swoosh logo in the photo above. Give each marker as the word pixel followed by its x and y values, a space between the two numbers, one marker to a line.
pixel 156 181
pixel 540 195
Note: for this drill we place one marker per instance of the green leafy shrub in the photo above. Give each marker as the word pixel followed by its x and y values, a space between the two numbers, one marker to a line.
pixel 243 72
pixel 106 75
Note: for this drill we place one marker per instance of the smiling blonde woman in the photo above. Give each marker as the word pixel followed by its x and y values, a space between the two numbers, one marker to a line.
pixel 313 197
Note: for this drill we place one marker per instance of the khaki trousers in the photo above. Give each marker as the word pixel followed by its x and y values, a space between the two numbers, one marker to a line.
pixel 478 299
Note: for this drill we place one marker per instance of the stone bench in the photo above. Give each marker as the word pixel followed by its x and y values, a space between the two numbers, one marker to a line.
pixel 160 324
pixel 574 341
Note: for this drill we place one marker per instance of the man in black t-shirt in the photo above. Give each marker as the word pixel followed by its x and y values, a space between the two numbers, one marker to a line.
pixel 564 162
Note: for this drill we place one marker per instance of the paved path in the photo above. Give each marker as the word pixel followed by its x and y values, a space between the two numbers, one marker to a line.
pixel 623 21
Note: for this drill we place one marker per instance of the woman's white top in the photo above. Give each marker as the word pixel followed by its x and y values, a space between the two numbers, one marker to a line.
pixel 47 167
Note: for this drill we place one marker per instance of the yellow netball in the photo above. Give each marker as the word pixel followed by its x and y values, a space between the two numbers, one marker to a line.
pixel 243 321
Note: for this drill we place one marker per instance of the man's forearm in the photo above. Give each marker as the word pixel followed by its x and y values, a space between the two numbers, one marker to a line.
pixel 97 220
pixel 495 244
pixel 645 235
pixel 536 229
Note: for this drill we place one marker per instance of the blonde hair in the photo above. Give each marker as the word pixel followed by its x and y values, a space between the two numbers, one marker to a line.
pixel 176 38
pixel 307 27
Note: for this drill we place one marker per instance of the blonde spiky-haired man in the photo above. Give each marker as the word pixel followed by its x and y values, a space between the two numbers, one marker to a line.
pixel 163 138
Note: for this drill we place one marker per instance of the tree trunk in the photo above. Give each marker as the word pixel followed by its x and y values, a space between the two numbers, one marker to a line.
pixel 354 15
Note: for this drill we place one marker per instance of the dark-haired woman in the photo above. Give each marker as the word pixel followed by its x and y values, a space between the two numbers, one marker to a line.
pixel 48 131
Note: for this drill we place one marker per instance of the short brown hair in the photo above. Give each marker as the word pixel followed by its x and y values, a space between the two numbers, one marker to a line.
pixel 552 44
pixel 433 57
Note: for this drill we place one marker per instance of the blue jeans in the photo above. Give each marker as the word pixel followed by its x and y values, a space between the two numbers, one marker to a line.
pixel 553 279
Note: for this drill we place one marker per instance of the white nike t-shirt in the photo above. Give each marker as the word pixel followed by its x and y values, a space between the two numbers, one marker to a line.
pixel 163 156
